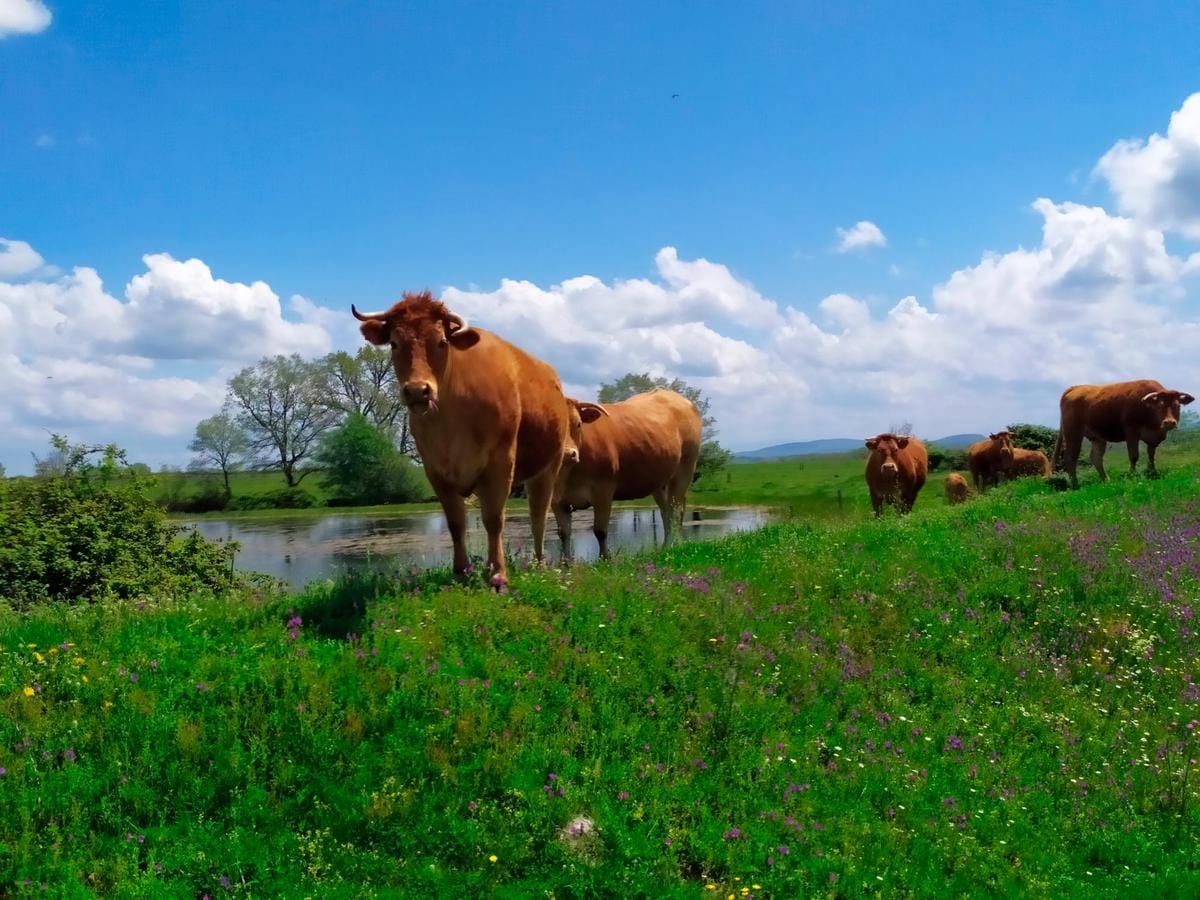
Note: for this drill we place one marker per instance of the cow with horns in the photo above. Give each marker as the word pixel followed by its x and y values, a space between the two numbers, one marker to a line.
pixel 484 414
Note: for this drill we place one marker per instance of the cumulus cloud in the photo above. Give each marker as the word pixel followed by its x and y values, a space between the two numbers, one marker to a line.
pixel 17 258
pixel 44 141
pixel 1158 180
pixel 862 235
pixel 23 17
pixel 75 358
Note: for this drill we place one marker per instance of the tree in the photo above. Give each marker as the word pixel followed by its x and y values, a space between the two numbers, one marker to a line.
pixel 1033 437
pixel 280 406
pixel 219 443
pixel 713 457
pixel 362 465
pixel 2 471
pixel 366 384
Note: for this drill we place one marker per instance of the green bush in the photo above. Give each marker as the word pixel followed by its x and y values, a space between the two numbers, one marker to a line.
pixel 1033 437
pixel 91 531
pixel 284 498
pixel 362 466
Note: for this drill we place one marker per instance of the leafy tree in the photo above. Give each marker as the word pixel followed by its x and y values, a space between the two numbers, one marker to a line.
pixel 2 470
pixel 1189 420
pixel 713 457
pixel 91 530
pixel 1033 437
pixel 219 443
pixel 280 404
pixel 366 384
pixel 363 466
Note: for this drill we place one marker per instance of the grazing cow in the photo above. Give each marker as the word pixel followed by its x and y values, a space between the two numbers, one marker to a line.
pixel 956 488
pixel 646 445
pixel 896 470
pixel 1029 462
pixel 484 414
pixel 989 459
pixel 1128 411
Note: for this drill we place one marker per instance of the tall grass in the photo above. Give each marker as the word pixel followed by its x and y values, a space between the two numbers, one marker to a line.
pixel 1000 697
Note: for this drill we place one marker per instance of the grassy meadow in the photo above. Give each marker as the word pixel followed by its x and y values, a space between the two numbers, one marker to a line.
pixel 994 698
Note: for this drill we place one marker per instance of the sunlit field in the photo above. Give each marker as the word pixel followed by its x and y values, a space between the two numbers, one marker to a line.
pixel 996 697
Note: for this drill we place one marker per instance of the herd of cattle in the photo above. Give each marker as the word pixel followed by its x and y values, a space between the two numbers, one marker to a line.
pixel 485 415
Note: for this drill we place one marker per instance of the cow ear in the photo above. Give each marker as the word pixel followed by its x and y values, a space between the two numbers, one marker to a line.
pixel 464 339
pixel 590 412
pixel 872 443
pixel 377 331
pixel 1185 399
pixel 993 437
pixel 902 442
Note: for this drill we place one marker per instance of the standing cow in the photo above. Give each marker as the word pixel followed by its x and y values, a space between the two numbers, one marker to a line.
pixel 1128 411
pixel 646 445
pixel 484 414
pixel 1029 462
pixel 989 459
pixel 956 488
pixel 896 470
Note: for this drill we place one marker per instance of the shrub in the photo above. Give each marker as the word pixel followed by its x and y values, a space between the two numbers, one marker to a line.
pixel 94 532
pixel 284 498
pixel 363 466
pixel 1033 437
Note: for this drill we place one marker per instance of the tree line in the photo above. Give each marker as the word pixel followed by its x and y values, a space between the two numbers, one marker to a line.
pixel 342 415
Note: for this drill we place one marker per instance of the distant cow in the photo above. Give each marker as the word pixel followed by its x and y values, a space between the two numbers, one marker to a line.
pixel 989 459
pixel 956 488
pixel 483 413
pixel 646 445
pixel 1029 462
pixel 1128 411
pixel 896 470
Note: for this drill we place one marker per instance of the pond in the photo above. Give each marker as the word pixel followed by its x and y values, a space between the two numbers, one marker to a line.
pixel 303 549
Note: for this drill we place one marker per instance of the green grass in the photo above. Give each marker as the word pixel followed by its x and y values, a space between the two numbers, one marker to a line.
pixel 996 698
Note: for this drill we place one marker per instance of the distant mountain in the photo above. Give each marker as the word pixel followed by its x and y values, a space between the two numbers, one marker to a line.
pixel 840 445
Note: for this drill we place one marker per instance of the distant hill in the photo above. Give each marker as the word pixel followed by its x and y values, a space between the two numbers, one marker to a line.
pixel 840 445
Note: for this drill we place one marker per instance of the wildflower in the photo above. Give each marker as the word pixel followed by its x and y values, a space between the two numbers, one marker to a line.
pixel 225 882
pixel 4 771
pixel 79 660
pixel 28 691
pixel 133 676
pixel 39 657
pixel 85 678
pixel 492 858
pixel 624 795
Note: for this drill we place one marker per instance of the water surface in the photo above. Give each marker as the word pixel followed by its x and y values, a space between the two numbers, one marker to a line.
pixel 301 550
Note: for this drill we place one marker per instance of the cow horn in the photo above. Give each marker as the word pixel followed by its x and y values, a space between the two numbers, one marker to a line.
pixel 363 317
pixel 1150 396
pixel 459 323
pixel 596 406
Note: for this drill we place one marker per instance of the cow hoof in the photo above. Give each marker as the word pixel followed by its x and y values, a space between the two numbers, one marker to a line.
pixel 500 583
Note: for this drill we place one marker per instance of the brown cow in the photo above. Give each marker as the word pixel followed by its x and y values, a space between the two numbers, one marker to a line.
pixel 988 459
pixel 1029 462
pixel 484 414
pixel 646 445
pixel 956 488
pixel 1128 411
pixel 896 470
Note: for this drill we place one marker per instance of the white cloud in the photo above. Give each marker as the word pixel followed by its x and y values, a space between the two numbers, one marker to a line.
pixel 1158 180
pixel 862 235
pixel 17 258
pixel 74 358
pixel 44 141
pixel 23 17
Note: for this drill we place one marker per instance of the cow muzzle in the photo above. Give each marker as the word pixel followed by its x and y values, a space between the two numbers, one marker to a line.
pixel 570 455
pixel 888 468
pixel 1169 424
pixel 420 395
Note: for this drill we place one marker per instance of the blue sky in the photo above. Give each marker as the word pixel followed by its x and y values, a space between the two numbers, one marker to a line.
pixel 348 152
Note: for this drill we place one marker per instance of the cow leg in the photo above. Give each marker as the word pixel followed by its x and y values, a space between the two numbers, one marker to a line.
pixel 601 513
pixel 1098 448
pixel 1071 445
pixel 562 516
pixel 1150 467
pixel 1131 443
pixel 455 511
pixel 877 504
pixel 540 489
pixel 662 496
pixel 493 493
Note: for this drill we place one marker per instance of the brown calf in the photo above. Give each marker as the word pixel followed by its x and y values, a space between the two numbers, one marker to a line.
pixel 896 470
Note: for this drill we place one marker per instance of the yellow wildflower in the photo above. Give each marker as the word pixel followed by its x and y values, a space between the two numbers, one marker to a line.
pixel 757 887
pixel 38 657
pixel 108 704
pixel 492 858
pixel 710 887
pixel 53 650
pixel 85 679
pixel 28 692
pixel 31 646
pixel 79 660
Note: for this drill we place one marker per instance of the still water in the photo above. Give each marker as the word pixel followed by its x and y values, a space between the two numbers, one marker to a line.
pixel 301 550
